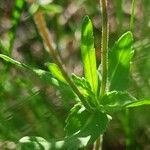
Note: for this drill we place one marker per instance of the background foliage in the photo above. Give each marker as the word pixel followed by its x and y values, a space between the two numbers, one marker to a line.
pixel 31 106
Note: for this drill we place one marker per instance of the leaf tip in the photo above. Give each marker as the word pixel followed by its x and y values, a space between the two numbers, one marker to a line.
pixel 129 34
pixel 86 20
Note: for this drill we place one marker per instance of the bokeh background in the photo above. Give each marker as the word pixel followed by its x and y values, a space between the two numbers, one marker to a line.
pixel 29 106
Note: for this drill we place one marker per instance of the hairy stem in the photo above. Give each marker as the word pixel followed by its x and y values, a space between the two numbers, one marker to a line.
pixel 43 30
pixel 104 46
pixel 104 57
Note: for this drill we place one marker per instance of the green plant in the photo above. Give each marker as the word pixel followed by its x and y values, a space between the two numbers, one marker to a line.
pixel 97 95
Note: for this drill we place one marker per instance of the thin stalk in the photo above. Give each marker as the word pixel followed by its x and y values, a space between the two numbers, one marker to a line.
pixel 104 57
pixel 104 46
pixel 98 144
pixel 43 30
pixel 132 15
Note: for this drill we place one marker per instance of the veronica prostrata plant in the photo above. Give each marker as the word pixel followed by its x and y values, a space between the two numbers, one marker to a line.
pixel 100 92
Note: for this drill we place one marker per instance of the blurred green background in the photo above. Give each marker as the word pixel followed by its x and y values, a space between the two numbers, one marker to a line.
pixel 29 106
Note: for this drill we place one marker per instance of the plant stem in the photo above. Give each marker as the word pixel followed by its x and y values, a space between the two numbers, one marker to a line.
pixel 104 46
pixel 104 57
pixel 132 15
pixel 98 144
pixel 43 30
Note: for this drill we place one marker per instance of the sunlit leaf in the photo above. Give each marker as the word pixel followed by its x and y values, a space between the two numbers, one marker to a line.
pixel 53 68
pixel 119 62
pixel 139 103
pixel 8 59
pixel 88 53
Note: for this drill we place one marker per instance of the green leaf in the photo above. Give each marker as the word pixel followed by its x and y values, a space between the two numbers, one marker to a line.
pixel 119 62
pixel 115 101
pixel 88 53
pixel 8 59
pixel 45 76
pixel 53 68
pixel 138 103
pixel 85 89
pixel 83 84
pixel 75 118
pixel 52 8
pixel 82 123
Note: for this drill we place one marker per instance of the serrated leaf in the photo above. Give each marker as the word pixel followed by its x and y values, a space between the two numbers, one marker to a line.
pixel 115 101
pixel 88 53
pixel 82 123
pixel 119 62
pixel 76 116
pixel 82 83
pixel 85 89
pixel 138 103
pixel 53 68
